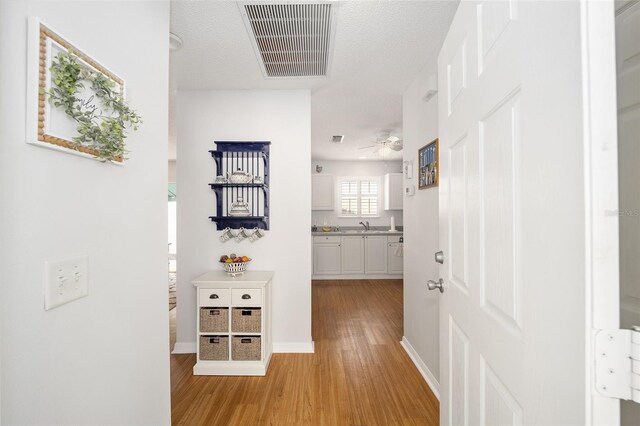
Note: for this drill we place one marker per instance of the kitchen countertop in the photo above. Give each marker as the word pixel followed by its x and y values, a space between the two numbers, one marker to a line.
pixel 356 232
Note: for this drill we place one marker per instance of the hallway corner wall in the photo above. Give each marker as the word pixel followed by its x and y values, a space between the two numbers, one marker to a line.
pixel 420 218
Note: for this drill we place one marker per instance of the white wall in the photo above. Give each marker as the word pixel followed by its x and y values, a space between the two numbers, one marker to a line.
pixel 102 359
pixel 284 118
pixel 357 168
pixel 172 171
pixel 421 307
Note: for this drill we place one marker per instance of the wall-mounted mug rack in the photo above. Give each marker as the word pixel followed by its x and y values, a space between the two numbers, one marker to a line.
pixel 241 185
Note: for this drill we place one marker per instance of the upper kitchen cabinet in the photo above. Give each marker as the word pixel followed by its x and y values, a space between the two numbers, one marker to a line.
pixel 393 191
pixel 322 192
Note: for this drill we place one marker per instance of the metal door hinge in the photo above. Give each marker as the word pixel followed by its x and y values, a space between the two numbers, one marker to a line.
pixel 617 360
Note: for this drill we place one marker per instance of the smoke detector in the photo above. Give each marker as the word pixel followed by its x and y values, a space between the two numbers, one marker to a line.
pixel 291 39
pixel 337 138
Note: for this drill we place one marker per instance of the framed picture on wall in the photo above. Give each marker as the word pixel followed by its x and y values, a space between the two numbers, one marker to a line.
pixel 428 165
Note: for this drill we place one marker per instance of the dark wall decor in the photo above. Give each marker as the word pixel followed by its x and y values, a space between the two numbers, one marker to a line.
pixel 241 185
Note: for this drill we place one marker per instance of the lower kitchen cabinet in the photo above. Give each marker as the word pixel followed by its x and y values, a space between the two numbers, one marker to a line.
pixel 375 254
pixel 395 262
pixel 327 256
pixel 353 255
pixel 356 256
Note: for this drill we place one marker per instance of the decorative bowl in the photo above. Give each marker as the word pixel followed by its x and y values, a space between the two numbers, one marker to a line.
pixel 235 268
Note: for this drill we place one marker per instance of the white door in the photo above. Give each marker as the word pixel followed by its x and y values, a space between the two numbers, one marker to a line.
pixel 322 192
pixel 375 254
pixel 326 259
pixel 514 339
pixel 396 263
pixel 353 255
pixel 628 72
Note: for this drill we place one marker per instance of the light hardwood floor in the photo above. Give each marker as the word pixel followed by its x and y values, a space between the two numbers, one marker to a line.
pixel 358 375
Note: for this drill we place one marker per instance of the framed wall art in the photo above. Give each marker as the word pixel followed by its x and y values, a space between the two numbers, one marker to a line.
pixel 74 103
pixel 428 165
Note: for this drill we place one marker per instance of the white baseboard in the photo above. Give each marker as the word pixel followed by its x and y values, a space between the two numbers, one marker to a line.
pixel 422 367
pixel 184 348
pixel 293 348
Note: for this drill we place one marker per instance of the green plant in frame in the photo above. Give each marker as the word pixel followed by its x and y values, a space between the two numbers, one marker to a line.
pixel 101 123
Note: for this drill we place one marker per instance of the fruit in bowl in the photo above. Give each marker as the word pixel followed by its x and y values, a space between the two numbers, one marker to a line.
pixel 234 264
pixel 233 258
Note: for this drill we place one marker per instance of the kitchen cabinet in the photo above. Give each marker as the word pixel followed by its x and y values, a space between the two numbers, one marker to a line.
pixel 353 254
pixel 233 324
pixel 393 191
pixel 395 263
pixel 322 192
pixel 327 255
pixel 375 252
pixel 357 256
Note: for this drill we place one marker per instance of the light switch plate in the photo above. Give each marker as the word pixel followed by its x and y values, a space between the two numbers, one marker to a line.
pixel 409 190
pixel 66 280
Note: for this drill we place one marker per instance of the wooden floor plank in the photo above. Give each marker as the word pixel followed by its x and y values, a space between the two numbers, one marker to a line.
pixel 359 374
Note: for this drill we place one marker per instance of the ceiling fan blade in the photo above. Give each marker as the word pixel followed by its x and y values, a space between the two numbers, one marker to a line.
pixel 366 147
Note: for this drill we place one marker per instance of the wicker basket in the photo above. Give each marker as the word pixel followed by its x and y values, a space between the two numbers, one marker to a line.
pixel 236 268
pixel 246 320
pixel 246 348
pixel 214 348
pixel 214 320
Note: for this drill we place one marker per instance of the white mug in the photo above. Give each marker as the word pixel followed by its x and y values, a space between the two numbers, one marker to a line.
pixel 242 234
pixel 256 235
pixel 226 235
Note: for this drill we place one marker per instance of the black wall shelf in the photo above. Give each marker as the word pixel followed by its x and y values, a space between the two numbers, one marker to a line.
pixel 248 157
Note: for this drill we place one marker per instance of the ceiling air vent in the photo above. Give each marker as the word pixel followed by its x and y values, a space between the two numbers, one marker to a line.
pixel 290 40
pixel 337 139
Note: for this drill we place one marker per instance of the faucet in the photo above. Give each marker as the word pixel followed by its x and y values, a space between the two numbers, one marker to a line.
pixel 365 224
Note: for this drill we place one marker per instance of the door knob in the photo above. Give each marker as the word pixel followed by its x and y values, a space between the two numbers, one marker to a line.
pixel 440 257
pixel 432 285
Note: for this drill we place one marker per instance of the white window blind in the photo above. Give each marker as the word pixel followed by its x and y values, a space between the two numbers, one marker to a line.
pixel 359 197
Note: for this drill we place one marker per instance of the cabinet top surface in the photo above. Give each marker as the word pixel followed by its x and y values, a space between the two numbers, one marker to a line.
pixel 248 279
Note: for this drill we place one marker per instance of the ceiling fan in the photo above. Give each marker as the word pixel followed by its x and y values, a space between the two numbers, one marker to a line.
pixel 392 143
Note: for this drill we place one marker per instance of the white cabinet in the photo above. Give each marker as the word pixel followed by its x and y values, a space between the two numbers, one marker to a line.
pixel 356 256
pixel 322 192
pixel 233 324
pixel 393 191
pixel 326 255
pixel 353 255
pixel 395 262
pixel 375 252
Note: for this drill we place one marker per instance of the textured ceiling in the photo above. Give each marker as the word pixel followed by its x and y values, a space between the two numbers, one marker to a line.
pixel 379 49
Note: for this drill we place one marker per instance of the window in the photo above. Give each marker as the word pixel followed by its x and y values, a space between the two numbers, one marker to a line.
pixel 359 196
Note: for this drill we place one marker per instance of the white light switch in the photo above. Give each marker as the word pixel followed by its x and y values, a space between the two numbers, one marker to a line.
pixel 66 280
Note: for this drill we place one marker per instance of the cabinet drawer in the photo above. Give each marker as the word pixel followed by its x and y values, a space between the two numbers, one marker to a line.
pixel 214 297
pixel 394 238
pixel 246 297
pixel 327 239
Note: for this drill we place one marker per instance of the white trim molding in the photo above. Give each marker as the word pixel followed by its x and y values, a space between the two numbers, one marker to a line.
pixel 184 348
pixel 293 347
pixel 422 367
